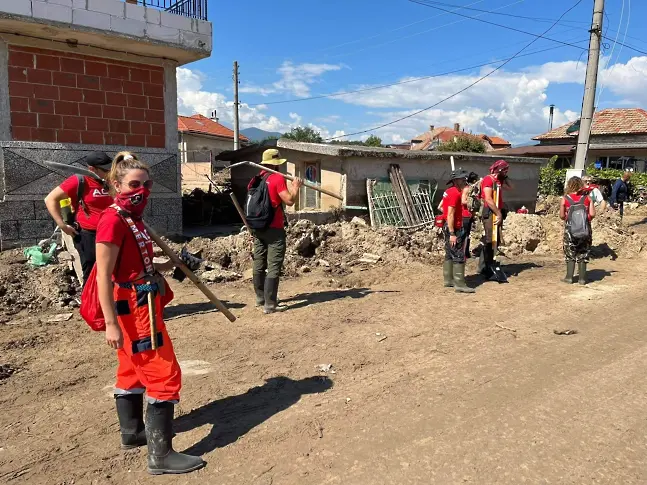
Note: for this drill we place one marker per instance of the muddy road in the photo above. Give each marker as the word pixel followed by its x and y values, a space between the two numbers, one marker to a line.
pixel 426 386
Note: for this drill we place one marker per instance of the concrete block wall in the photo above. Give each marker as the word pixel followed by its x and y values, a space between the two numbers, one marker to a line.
pixel 72 98
pixel 25 181
pixel 118 17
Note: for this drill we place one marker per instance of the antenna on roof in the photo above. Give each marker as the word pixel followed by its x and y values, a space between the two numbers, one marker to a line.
pixel 214 116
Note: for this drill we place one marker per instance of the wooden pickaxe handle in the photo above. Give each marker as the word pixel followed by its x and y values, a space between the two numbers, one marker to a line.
pixel 194 279
pixel 152 315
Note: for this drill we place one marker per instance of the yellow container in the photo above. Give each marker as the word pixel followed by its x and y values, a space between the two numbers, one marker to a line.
pixel 67 211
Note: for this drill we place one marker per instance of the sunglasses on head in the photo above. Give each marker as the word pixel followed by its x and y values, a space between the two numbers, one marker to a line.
pixel 135 184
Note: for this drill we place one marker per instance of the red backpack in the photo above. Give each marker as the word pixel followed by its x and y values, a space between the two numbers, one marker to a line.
pixel 90 308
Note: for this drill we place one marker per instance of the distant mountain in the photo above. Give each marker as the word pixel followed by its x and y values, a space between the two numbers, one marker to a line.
pixel 256 134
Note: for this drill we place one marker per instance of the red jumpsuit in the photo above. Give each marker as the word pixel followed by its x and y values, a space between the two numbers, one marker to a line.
pixel 140 367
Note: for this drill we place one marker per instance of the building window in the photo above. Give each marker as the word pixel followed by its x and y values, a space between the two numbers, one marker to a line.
pixel 311 199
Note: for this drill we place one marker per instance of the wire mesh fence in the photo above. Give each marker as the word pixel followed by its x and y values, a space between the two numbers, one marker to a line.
pixel 385 209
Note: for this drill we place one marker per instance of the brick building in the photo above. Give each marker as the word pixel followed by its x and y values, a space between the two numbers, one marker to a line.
pixel 84 75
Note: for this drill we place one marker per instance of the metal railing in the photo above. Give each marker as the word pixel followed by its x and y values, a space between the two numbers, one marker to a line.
pixel 196 9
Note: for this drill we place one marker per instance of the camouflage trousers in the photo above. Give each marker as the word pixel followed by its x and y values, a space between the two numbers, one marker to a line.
pixel 576 250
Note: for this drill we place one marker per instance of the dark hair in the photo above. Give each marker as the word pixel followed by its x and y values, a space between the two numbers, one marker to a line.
pixel 472 177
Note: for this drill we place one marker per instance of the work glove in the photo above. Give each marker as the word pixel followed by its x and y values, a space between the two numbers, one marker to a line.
pixel 192 261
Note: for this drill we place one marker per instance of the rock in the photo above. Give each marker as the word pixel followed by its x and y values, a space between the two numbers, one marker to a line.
pixel 324 263
pixel 219 276
pixel 305 247
pixel 62 317
pixel 369 258
pixel 325 368
pixel 305 269
pixel 358 221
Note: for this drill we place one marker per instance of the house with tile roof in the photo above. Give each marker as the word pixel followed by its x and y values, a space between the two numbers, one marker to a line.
pixel 618 140
pixel 200 140
pixel 429 140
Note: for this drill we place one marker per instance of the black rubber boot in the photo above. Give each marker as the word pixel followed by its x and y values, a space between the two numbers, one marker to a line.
pixel 259 288
pixel 486 260
pixel 161 456
pixel 582 273
pixel 570 271
pixel 459 279
pixel 130 410
pixel 271 296
pixel 448 274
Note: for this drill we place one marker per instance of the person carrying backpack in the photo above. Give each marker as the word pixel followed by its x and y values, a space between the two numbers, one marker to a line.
pixel 577 210
pixel 266 194
pixel 471 207
pixel 89 199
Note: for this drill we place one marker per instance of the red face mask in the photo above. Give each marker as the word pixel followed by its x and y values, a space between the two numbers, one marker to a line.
pixel 134 202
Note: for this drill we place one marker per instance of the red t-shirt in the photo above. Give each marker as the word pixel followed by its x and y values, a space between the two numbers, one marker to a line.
pixel 466 213
pixel 276 184
pixel 113 229
pixel 95 197
pixel 453 198
pixel 576 198
pixel 488 182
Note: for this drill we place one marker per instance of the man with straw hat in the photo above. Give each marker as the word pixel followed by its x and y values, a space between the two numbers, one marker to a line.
pixel 267 193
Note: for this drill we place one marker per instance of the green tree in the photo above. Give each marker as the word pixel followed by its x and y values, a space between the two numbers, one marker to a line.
pixel 462 144
pixel 373 141
pixel 304 134
pixel 269 138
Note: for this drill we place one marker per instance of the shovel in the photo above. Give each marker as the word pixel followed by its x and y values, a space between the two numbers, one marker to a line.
pixel 495 268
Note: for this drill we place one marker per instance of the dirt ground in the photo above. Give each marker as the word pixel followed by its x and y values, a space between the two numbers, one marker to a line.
pixel 426 386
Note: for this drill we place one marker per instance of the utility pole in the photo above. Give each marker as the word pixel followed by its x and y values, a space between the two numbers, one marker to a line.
pixel 236 107
pixel 590 84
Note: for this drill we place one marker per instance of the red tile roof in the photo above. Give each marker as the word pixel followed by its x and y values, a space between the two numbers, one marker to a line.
pixel 496 140
pixel 614 121
pixel 444 135
pixel 203 125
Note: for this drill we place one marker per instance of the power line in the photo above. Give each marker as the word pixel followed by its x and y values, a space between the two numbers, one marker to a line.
pixel 627 46
pixel 494 12
pixel 465 88
pixel 496 24
pixel 408 81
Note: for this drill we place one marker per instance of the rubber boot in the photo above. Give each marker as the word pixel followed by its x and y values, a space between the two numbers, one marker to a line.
pixel 161 456
pixel 459 279
pixel 130 410
pixel 486 260
pixel 271 296
pixel 582 272
pixel 570 271
pixel 448 274
pixel 259 288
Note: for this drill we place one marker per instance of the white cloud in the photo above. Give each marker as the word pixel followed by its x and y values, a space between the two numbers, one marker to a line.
pixel 628 80
pixel 294 79
pixel 192 99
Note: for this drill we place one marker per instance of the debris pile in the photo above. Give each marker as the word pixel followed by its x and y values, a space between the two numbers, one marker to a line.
pixel 25 288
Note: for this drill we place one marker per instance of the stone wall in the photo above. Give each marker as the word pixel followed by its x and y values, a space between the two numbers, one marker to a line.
pixel 25 181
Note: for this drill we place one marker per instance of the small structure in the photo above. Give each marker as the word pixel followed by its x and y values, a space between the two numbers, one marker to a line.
pixel 345 169
pixel 618 140
pixel 79 76
pixel 200 140
pixel 435 136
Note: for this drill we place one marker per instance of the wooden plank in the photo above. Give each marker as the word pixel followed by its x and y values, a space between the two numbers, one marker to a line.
pixel 68 244
pixel 407 196
pixel 400 196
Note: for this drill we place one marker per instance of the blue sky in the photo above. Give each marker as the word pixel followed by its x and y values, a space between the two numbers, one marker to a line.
pixel 291 49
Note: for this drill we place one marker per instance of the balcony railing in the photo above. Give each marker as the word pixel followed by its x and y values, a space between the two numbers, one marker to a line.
pixel 196 9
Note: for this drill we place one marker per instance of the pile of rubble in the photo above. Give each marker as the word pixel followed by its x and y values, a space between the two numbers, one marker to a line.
pixel 25 288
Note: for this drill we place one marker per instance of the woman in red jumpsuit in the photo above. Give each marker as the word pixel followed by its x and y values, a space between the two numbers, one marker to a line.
pixel 125 277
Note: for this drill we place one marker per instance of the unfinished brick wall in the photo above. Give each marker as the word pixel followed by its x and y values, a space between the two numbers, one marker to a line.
pixel 72 98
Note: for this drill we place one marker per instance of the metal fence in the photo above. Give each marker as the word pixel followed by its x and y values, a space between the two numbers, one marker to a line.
pixel 196 9
pixel 385 209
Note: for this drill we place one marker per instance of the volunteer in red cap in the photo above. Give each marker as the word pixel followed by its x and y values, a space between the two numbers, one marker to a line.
pixel 491 183
pixel 126 279
pixel 89 199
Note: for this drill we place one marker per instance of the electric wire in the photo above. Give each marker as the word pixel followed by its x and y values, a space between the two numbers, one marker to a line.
pixel 498 68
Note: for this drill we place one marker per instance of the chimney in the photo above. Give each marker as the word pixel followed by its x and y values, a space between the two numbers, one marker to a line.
pixel 457 127
pixel 431 128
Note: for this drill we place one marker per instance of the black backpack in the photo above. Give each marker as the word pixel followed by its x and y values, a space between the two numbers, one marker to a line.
pixel 258 207
pixel 577 219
